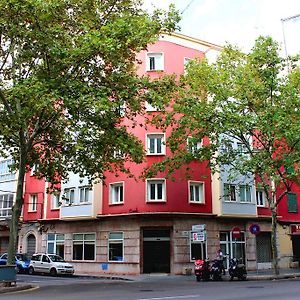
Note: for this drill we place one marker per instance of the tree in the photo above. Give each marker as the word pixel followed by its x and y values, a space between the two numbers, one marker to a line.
pixel 248 98
pixel 67 76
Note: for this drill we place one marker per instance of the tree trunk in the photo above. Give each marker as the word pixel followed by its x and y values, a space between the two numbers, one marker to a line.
pixel 274 240
pixel 16 213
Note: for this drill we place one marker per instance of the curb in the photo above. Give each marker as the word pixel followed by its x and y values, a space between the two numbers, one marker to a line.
pixel 4 290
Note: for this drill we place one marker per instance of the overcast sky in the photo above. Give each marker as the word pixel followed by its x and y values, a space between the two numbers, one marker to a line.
pixel 238 22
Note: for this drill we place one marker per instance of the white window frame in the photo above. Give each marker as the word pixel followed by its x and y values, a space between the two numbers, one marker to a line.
pixel 115 197
pixel 33 202
pixel 192 147
pixel 150 108
pixel 83 242
pixel 67 195
pixel 55 200
pixel 85 189
pixel 159 61
pixel 261 200
pixel 243 189
pixel 201 194
pixel 5 173
pixel 228 198
pixel 203 246
pixel 56 241
pixel 6 203
pixel 112 241
pixel 156 136
pixel 156 181
pixel 186 60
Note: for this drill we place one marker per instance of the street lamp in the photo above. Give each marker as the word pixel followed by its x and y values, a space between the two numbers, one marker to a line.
pixel 284 40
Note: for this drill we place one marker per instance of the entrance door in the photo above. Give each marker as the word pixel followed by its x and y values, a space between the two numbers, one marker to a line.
pixel 156 251
pixel 31 241
pixel 263 250
pixel 232 247
pixel 296 247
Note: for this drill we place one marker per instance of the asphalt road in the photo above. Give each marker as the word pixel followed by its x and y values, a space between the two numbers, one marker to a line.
pixel 154 288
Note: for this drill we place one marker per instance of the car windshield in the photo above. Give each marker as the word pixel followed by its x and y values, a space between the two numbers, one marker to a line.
pixel 22 256
pixel 56 258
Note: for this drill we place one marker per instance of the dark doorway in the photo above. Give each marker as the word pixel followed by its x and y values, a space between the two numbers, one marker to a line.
pixel 296 247
pixel 263 247
pixel 156 251
pixel 31 244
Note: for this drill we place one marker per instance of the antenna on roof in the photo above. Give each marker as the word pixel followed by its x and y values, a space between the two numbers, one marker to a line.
pixel 187 6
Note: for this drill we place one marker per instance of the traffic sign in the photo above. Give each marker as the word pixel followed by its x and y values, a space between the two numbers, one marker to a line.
pixel 236 232
pixel 254 229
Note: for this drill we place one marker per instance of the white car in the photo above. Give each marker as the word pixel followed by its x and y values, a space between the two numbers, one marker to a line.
pixel 49 263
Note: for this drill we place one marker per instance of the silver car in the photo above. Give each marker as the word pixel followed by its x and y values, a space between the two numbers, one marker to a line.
pixel 49 263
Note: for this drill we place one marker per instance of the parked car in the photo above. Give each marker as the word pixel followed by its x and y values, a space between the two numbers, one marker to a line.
pixel 21 259
pixel 49 263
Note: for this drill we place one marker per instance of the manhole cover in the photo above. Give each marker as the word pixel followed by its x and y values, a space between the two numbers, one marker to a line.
pixel 146 290
pixel 255 287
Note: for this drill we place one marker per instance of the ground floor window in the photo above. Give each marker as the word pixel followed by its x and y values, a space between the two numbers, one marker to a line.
pixel 115 246
pixel 84 245
pixel 56 244
pixel 197 246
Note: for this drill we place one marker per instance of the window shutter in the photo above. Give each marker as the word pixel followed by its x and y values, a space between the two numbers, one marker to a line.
pixel 292 202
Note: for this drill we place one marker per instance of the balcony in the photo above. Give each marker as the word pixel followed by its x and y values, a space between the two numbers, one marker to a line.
pixel 77 211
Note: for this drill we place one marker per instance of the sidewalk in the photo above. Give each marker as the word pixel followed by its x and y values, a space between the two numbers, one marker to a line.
pixel 252 275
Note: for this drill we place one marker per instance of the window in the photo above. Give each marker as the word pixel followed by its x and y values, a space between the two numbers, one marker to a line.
pixel 155 62
pixel 260 198
pixel 229 192
pixel 197 249
pixel 33 170
pixel 32 203
pixel 242 149
pixel 245 193
pixel 55 200
pixel 6 203
pixel 196 192
pixel 193 145
pixel 85 194
pixel 84 246
pixel 149 107
pixel 56 244
pixel 70 196
pixel 292 203
pixel 115 246
pixel 186 60
pixel 5 173
pixel 118 154
pixel 156 190
pixel 155 144
pixel 116 193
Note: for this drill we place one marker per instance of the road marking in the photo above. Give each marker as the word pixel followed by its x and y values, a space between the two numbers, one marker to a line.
pixel 171 297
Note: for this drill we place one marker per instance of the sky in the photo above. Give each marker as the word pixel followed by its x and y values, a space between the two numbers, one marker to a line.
pixel 238 22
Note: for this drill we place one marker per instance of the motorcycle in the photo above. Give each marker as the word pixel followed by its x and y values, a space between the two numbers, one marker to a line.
pixel 237 269
pixel 217 269
pixel 202 269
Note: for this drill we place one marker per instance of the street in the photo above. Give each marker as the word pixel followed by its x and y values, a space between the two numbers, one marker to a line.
pixel 153 288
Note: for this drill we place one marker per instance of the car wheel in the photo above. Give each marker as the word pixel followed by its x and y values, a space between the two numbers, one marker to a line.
pixel 53 272
pixel 30 271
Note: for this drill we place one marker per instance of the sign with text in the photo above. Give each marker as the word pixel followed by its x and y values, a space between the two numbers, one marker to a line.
pixel 198 236
pixel 199 227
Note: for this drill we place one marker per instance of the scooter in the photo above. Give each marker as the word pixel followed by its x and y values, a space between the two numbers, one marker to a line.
pixel 202 269
pixel 237 269
pixel 217 269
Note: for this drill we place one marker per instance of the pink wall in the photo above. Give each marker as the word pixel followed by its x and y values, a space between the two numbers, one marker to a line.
pixel 173 58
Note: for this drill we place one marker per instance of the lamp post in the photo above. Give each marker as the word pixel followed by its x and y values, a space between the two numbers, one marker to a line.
pixel 284 40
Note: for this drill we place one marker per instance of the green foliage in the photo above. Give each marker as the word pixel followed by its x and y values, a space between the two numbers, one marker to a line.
pixel 67 71
pixel 246 98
